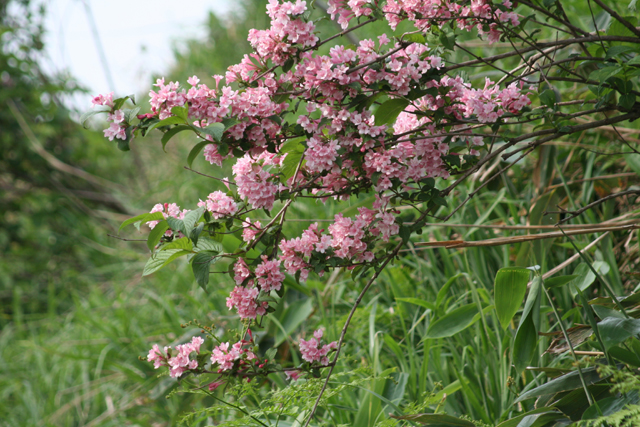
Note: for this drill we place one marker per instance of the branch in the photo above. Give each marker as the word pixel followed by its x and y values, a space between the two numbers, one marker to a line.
pixel 619 18
pixel 596 203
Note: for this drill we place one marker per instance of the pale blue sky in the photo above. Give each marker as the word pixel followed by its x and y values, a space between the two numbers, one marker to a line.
pixel 137 36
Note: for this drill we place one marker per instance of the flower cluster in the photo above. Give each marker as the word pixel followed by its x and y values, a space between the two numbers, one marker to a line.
pixel 179 363
pixel 168 210
pixel 286 30
pixel 380 118
pixel 226 356
pixel 313 351
pixel 219 205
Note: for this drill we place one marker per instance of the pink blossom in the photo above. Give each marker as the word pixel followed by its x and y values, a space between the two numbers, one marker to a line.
pixel 251 230
pixel 312 351
pixel 244 300
pixel 225 356
pixel 269 275
pixel 220 205
pixel 106 99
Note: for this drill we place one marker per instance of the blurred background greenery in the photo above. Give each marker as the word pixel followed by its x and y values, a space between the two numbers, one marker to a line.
pixel 76 314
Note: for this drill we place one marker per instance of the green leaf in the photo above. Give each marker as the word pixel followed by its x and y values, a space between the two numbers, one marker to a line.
pixel 206 244
pixel 162 258
pixel 610 405
pixel 171 132
pixel 442 293
pixel 564 383
pixel 453 322
pixel 200 265
pixel 191 218
pixel 84 117
pixel 176 224
pixel 182 243
pixel 418 301
pixel 510 288
pixel 195 151
pixel 156 216
pixel 215 130
pixel 603 74
pixel 156 234
pixel 414 38
pixel 524 344
pixel 615 330
pixel 294 150
pixel 585 275
pixel 435 420
pixel 388 112
pixel 167 122
pixel 559 281
pixel 515 421
pixel 548 98
pixel 229 122
pixel 627 101
pixel 182 112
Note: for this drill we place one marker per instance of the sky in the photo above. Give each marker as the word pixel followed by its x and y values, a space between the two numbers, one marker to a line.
pixel 137 38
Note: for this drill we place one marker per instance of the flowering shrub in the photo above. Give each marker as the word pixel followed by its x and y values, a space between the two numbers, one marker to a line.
pixel 387 118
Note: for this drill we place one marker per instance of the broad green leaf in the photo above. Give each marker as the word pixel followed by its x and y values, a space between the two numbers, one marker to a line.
pixel 206 244
pixel 387 113
pixel 510 288
pixel 176 224
pixel 229 122
pixel 166 122
pixel 200 265
pixel 559 281
pixel 543 419
pixel 182 243
pixel 627 101
pixel 615 330
pixel 524 344
pixel 414 38
pixel 182 112
pixel 585 275
pixel 454 322
pixel 162 258
pixel 548 98
pixel 191 218
pixel 610 405
pixel 195 151
pixel 215 130
pixel 435 419
pixel 156 234
pixel 293 316
pixel 171 132
pixel 156 216
pixel 84 117
pixel 294 150
pixel 564 383
pixel 515 421
pixel 418 301
pixel 603 74
pixel 603 312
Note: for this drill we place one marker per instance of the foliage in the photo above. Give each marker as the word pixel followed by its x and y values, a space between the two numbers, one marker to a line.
pixel 435 339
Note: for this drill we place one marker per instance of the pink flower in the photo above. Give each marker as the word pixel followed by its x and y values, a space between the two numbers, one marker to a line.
pixel 220 205
pixel 312 351
pixel 106 99
pixel 249 233
pixel 269 275
pixel 157 357
pixel 226 357
pixel 293 375
pixel 244 300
